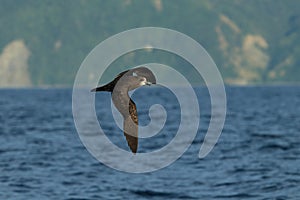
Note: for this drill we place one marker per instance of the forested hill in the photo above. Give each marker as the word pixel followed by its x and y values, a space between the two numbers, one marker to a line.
pixel 44 42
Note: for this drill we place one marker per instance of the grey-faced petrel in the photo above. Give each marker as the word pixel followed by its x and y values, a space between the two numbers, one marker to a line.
pixel 119 87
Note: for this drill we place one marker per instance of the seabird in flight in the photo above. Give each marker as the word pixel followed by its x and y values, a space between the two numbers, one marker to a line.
pixel 119 87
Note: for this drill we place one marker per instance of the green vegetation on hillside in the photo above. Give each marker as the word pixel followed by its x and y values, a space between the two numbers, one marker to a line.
pixel 250 41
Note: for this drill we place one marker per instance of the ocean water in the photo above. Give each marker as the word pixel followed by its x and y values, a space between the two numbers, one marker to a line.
pixel 256 157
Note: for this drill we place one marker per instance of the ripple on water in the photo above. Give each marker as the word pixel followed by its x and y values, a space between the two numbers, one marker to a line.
pixel 257 155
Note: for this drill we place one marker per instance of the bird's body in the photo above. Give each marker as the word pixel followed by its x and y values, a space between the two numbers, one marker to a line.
pixel 119 87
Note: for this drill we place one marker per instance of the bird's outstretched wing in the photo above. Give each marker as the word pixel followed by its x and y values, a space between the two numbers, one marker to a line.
pixel 109 87
pixel 130 129
pixel 141 71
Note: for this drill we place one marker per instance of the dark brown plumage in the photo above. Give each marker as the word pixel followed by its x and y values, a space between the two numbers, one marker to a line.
pixel 119 87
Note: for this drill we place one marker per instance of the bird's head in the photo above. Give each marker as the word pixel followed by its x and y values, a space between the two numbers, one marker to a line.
pixel 134 82
pixel 144 81
pixel 144 72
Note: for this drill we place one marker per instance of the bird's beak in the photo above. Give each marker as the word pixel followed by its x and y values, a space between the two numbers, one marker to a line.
pixel 148 83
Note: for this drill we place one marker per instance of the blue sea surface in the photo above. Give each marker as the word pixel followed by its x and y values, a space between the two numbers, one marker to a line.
pixel 256 157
